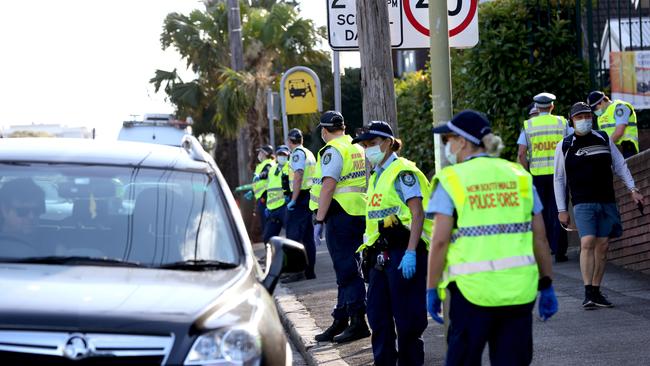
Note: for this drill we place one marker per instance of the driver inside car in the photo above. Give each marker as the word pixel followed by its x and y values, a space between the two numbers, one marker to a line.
pixel 21 203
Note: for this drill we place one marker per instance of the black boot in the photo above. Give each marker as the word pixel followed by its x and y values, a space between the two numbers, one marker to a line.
pixel 337 327
pixel 358 329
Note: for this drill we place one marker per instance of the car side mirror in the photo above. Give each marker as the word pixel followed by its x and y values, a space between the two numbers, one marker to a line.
pixel 282 255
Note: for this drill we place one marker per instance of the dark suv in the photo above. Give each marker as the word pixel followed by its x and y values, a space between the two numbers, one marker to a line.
pixel 122 253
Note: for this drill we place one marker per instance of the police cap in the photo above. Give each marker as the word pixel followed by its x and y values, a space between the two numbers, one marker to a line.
pixel 471 125
pixel 594 98
pixel 282 149
pixel 295 135
pixel 374 129
pixel 578 108
pixel 267 149
pixel 331 119
pixel 532 110
pixel 544 100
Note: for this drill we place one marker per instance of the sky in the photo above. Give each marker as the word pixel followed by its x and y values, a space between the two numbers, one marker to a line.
pixel 88 63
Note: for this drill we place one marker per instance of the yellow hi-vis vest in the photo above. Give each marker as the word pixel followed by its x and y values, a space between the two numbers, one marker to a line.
pixel 542 134
pixel 259 187
pixel 350 190
pixel 274 192
pixel 308 173
pixel 491 255
pixel 607 123
pixel 384 201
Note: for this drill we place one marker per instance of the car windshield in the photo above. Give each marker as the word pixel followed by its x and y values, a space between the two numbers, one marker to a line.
pixel 150 217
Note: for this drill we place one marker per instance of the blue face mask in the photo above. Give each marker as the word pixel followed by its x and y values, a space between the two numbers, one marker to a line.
pixel 599 112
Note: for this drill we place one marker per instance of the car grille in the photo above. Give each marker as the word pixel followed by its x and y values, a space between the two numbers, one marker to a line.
pixel 61 348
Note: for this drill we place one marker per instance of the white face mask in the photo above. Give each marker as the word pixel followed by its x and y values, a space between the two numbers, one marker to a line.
pixel 583 126
pixel 282 159
pixel 599 112
pixel 374 155
pixel 261 157
pixel 322 135
pixel 452 158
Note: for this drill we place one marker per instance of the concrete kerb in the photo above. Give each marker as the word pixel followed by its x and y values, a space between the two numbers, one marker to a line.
pixel 302 328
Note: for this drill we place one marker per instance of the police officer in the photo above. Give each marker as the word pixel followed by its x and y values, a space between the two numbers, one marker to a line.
pixel 395 249
pixel 338 198
pixel 300 228
pixel 275 195
pixel 488 248
pixel 537 143
pixel 618 119
pixel 260 180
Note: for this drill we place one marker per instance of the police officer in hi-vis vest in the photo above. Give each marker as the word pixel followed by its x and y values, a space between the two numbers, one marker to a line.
pixel 537 143
pixel 275 195
pixel 266 162
pixel 618 119
pixel 395 249
pixel 300 228
pixel 338 198
pixel 488 250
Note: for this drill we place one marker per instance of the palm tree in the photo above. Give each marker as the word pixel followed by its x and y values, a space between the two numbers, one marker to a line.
pixel 219 99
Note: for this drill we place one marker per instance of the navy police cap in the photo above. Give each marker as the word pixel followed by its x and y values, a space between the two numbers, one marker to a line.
pixel 470 124
pixel 331 119
pixel 595 97
pixel 374 129
pixel 268 149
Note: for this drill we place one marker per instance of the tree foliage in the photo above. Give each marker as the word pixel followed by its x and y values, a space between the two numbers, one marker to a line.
pixel 522 52
pixel 219 99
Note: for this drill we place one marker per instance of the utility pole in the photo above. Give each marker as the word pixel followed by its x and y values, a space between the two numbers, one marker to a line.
pixel 237 64
pixel 376 62
pixel 440 73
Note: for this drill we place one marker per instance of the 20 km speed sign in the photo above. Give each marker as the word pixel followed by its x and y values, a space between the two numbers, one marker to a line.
pixel 409 23
pixel 462 22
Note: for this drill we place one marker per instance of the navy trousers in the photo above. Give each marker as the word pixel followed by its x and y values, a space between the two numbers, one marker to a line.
pixel 344 234
pixel 301 229
pixel 398 304
pixel 507 329
pixel 557 237
pixel 260 213
pixel 274 223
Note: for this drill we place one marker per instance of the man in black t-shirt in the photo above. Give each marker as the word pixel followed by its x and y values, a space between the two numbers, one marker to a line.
pixel 587 161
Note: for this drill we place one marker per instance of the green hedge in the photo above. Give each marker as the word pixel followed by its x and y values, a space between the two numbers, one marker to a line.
pixel 521 53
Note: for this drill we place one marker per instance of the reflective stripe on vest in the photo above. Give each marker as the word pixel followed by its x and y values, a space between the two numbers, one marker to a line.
pixel 308 172
pixel 607 123
pixel 259 187
pixel 353 175
pixel 489 266
pixel 542 135
pixel 384 201
pixel 492 259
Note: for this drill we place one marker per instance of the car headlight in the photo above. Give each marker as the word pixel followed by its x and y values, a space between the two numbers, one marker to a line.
pixel 236 345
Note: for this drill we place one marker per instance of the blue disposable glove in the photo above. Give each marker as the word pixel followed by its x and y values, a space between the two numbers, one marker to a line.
pixel 318 233
pixel 248 195
pixel 408 264
pixel 256 178
pixel 547 304
pixel 433 304
pixel 291 205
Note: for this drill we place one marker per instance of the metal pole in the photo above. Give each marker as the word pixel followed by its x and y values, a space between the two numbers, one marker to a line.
pixel 337 82
pixel 590 37
pixel 440 73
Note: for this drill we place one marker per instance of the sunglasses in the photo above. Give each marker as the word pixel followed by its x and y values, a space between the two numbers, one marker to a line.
pixel 25 211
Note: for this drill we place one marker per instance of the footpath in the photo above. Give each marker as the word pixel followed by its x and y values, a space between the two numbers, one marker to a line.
pixel 618 336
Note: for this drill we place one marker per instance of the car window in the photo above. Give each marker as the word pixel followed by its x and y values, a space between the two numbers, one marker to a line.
pixel 149 216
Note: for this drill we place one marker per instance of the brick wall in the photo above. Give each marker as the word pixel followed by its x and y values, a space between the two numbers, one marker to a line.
pixel 632 250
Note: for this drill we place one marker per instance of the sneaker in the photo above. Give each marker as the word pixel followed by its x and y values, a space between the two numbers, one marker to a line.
pixel 588 304
pixel 601 301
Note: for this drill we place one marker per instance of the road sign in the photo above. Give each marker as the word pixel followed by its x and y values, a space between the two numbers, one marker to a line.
pixel 299 94
pixel 409 22
pixel 342 23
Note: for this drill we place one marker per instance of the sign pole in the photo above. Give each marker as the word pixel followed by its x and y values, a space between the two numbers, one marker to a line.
pixel 440 73
pixel 337 82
